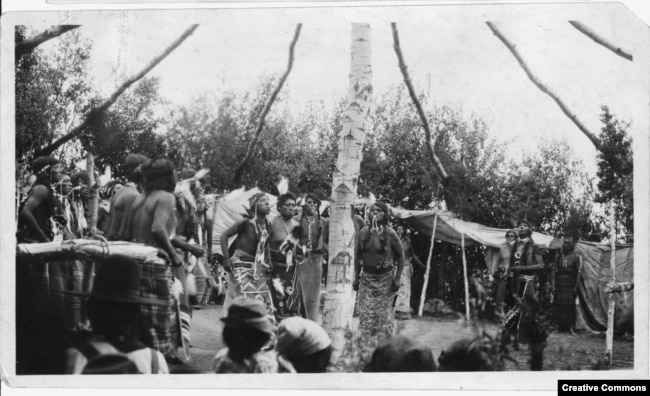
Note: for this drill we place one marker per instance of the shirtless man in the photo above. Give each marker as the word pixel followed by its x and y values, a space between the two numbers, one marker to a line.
pixel 152 220
pixel 34 221
pixel 502 271
pixel 123 199
pixel 250 266
pixel 377 284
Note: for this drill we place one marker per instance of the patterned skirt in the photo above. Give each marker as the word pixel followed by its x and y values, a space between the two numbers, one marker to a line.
pixel 564 306
pixel 376 315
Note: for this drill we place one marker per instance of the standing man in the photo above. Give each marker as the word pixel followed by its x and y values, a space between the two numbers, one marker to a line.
pixel 152 222
pixel 403 302
pixel 567 272
pixel 35 219
pixel 287 291
pixel 315 232
pixel 376 246
pixel 123 199
pixel 525 264
pixel 502 272
pixel 250 266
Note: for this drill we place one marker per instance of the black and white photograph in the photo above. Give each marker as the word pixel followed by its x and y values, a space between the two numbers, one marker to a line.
pixel 331 196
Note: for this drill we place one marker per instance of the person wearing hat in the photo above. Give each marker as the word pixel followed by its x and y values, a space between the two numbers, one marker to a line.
pixel 114 308
pixel 123 199
pixel 312 250
pixel 401 354
pixel 378 283
pixel 36 211
pixel 247 329
pixel 305 344
pixel 250 266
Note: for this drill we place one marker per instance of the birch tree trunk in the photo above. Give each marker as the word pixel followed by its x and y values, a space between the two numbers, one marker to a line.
pixel 339 301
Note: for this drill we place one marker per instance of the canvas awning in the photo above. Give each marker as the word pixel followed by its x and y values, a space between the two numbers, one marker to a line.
pixel 450 229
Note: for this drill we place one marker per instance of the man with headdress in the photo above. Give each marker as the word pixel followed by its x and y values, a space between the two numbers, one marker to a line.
pixel 36 211
pixel 311 252
pixel 123 199
pixel 525 265
pixel 250 265
pixel 152 222
pixel 403 301
pixel 377 284
pixel 286 290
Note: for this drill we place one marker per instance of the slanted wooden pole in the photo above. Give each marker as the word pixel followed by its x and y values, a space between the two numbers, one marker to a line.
pixel 93 194
pixel 426 273
pixel 609 335
pixel 462 246
pixel 565 109
pixel 601 40
pixel 98 110
pixel 27 45
pixel 260 124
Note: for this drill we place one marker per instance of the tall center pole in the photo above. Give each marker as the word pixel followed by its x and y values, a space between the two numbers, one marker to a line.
pixel 339 300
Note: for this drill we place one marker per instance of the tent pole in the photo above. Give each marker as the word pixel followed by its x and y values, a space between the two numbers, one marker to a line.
pixel 462 244
pixel 426 273
pixel 609 335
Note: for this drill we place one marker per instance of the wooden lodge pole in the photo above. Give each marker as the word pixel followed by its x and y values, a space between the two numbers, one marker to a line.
pixel 426 273
pixel 462 246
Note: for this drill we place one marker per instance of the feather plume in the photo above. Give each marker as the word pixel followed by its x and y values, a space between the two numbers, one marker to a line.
pixel 367 201
pixel 277 285
pixel 190 285
pixel 183 191
pixel 106 177
pixel 177 289
pixel 283 185
pixel 201 173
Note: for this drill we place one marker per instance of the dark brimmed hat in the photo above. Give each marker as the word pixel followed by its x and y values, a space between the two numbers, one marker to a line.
pixel 248 313
pixel 41 163
pixel 118 280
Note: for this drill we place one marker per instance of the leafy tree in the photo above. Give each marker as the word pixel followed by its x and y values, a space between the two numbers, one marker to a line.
pixel 52 92
pixel 615 172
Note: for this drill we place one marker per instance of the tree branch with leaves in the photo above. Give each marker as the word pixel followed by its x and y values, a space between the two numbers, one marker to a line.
pixel 27 45
pixel 97 111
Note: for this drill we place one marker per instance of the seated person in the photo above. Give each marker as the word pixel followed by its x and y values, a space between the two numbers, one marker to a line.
pixel 401 354
pixel 246 331
pixel 305 344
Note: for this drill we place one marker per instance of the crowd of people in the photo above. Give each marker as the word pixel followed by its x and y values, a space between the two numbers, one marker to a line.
pixel 136 320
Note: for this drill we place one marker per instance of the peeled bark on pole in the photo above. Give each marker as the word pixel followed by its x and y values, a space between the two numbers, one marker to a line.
pixel 97 111
pixel 339 300
pixel 462 246
pixel 591 136
pixel 260 125
pixel 609 335
pixel 430 139
pixel 27 45
pixel 600 40
pixel 426 273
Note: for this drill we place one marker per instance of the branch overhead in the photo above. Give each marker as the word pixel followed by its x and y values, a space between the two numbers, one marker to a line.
pixel 430 139
pixel 591 136
pixel 601 40
pixel 111 99
pixel 25 46
pixel 260 125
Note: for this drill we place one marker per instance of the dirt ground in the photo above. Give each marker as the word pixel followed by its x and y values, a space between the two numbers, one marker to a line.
pixel 564 351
